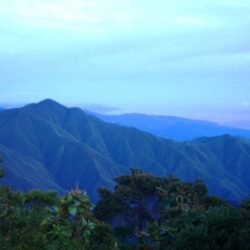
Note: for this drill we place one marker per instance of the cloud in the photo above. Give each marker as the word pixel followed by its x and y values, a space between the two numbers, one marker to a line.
pixel 77 16
pixel 245 104
pixel 192 21
pixel 109 16
pixel 100 109
pixel 126 53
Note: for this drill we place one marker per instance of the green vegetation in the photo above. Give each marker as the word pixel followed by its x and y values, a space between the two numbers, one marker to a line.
pixel 150 212
pixel 39 220
pixel 143 212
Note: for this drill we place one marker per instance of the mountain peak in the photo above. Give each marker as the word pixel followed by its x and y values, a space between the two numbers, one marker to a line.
pixel 47 108
pixel 48 102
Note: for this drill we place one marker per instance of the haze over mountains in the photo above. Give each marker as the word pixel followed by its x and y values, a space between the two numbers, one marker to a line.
pixel 49 146
pixel 172 127
pixel 169 127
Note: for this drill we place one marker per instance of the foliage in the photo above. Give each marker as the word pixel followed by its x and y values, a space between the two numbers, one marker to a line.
pixel 45 221
pixel 149 212
pixel 143 212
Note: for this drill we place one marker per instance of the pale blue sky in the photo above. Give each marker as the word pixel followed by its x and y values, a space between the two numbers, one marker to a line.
pixel 181 57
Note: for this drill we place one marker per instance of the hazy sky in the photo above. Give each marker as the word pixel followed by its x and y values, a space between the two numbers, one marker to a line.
pixel 180 57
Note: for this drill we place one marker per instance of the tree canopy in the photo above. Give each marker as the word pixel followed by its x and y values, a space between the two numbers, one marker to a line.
pixel 142 212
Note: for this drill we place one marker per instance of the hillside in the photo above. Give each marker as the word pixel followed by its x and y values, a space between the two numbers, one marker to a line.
pixel 49 146
pixel 171 127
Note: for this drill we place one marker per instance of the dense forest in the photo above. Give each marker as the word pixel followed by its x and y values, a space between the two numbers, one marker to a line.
pixel 142 212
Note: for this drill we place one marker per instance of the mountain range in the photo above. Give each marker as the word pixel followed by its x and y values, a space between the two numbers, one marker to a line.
pixel 48 146
pixel 172 127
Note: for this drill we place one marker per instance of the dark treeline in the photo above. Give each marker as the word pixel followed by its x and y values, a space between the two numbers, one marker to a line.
pixel 142 212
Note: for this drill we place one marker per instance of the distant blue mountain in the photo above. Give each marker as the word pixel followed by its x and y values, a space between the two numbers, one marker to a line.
pixel 171 127
pixel 49 146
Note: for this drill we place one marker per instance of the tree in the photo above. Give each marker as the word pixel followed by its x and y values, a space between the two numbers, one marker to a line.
pixel 2 173
pixel 131 207
pixel 72 221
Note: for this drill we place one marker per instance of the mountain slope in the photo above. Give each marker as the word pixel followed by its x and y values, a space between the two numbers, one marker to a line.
pixel 171 127
pixel 49 146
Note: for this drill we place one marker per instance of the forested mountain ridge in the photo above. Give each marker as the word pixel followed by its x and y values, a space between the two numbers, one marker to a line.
pixel 172 127
pixel 49 146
